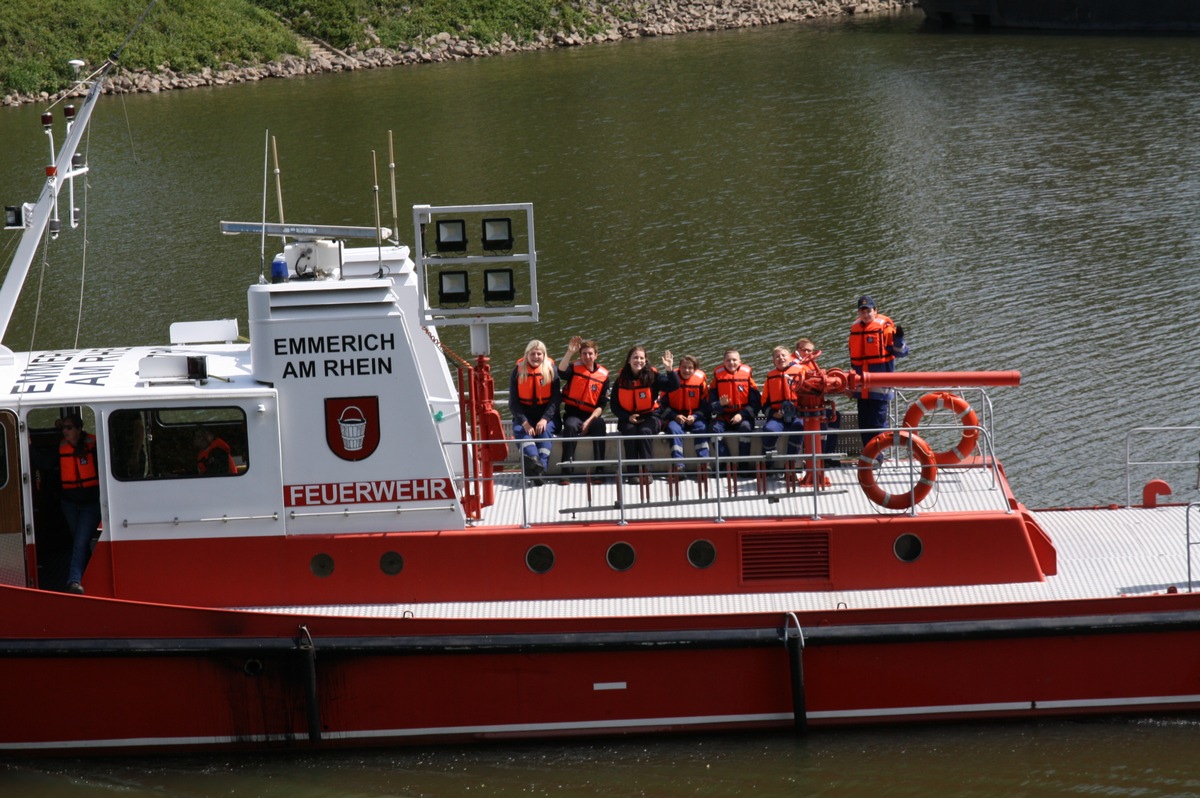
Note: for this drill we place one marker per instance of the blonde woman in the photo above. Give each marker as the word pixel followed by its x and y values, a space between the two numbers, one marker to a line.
pixel 534 396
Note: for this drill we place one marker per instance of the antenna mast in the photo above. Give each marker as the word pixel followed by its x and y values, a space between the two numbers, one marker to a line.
pixel 37 217
pixel 392 174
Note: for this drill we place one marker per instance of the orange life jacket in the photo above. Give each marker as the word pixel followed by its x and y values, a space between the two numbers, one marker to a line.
pixel 687 397
pixel 734 386
pixel 222 459
pixel 637 398
pixel 869 342
pixel 780 385
pixel 585 388
pixel 78 471
pixel 532 388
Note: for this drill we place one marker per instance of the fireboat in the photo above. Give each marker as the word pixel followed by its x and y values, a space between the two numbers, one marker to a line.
pixel 375 567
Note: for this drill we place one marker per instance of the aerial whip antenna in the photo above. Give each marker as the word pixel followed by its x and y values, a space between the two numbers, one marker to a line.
pixel 375 192
pixel 392 173
pixel 116 55
pixel 262 255
pixel 278 185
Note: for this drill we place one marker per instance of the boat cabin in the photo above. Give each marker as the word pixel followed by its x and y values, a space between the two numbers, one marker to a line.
pixel 340 416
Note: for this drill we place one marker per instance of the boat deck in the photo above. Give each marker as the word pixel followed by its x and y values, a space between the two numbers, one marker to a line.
pixel 1102 553
pixel 664 498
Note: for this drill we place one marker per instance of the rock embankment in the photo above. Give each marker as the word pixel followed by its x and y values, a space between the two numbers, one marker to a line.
pixel 665 18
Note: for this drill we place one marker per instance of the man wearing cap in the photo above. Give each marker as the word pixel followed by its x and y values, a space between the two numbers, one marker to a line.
pixel 875 343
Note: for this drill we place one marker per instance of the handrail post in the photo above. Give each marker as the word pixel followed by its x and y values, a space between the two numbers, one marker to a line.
pixel 794 642
pixel 1187 531
pixel 308 664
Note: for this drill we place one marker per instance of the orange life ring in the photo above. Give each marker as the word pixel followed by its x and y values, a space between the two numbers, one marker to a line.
pixel 944 400
pixel 867 464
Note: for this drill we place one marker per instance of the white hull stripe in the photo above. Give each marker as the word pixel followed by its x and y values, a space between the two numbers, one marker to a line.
pixel 633 723
pixel 1010 706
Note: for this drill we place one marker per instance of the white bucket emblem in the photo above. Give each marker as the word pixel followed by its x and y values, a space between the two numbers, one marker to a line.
pixel 354 428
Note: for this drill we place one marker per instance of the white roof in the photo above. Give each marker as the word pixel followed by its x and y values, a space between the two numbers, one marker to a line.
pixel 81 376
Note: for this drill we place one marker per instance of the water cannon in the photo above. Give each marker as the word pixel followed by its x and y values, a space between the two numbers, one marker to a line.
pixel 817 384
pixel 835 380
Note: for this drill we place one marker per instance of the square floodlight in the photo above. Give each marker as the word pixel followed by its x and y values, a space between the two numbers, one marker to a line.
pixel 451 235
pixel 13 218
pixel 453 288
pixel 498 285
pixel 497 234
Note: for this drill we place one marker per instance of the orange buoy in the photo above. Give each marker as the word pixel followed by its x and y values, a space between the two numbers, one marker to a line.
pixel 944 400
pixel 867 465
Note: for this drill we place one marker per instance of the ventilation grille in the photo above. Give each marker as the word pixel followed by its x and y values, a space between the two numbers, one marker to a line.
pixel 785 555
pixel 320 295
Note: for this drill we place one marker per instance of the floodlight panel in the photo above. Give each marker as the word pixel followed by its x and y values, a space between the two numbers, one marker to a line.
pixel 451 235
pixel 497 233
pixel 499 279
pixel 454 282
pixel 453 287
pixel 498 285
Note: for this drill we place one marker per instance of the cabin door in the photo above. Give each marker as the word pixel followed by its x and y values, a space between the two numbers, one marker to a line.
pixel 12 527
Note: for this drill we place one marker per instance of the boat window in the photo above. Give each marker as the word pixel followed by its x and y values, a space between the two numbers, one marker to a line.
pixel 178 443
pixel 908 548
pixel 539 558
pixel 702 553
pixel 48 420
pixel 621 556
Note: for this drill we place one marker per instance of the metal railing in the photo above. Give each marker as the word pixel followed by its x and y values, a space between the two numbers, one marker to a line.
pixel 216 519
pixel 1158 462
pixel 1187 528
pixel 727 479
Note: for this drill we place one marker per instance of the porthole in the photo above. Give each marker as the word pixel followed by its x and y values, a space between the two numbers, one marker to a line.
pixel 321 565
pixel 539 558
pixel 621 556
pixel 907 548
pixel 702 553
pixel 391 563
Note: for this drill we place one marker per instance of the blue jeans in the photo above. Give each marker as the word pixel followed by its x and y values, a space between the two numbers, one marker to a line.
pixel 540 449
pixel 778 425
pixel 744 427
pixel 677 430
pixel 872 414
pixel 83 520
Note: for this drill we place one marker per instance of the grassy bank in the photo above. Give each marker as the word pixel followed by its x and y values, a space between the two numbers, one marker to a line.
pixel 39 37
pixel 392 24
